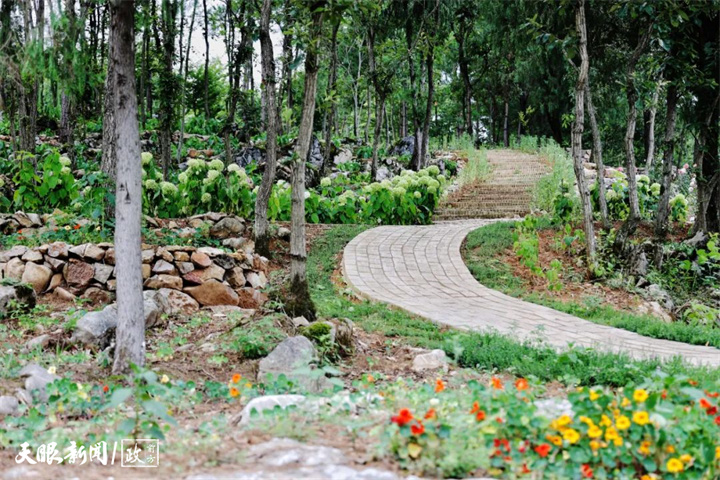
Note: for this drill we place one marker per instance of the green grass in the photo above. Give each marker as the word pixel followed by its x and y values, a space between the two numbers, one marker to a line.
pixel 480 253
pixel 484 351
pixel 477 168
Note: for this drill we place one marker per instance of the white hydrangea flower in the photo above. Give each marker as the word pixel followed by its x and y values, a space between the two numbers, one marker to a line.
pixel 194 164
pixel 643 179
pixel 434 170
pixel 168 188
pixel 65 170
pixel 183 177
pixel 151 184
pixel 325 182
pixel 217 165
pixel 64 161
pixel 146 157
pixel 234 167
pixel 144 174
pixel 205 198
pixel 307 195
pixel 417 194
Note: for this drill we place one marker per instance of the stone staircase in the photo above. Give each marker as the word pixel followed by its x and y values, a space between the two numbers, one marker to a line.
pixel 507 193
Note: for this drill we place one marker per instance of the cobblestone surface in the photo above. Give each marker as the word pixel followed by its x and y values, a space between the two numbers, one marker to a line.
pixel 420 269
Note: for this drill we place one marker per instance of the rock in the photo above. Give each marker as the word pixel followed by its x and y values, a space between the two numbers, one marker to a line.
pixel 655 292
pixel 28 220
pixel 14 268
pixel 343 155
pixel 39 341
pixel 110 256
pixel 290 358
pixel 178 303
pixel 284 452
pixel 185 267
pixel 655 310
pixel 93 252
pixel 146 271
pixel 97 296
pixel 225 261
pixel 79 274
pixel 147 255
pixel 78 250
pixel 235 243
pixel 103 272
pixel 181 256
pixel 32 256
pixel 164 281
pixel 58 250
pixel 284 233
pixel 251 298
pixel 200 259
pixel 405 146
pixel 258 406
pixel 9 406
pixel 200 276
pixel 227 227
pixel 16 251
pixel 430 361
pixel 55 281
pixel 112 285
pixel 63 294
pixel 21 294
pixel 256 280
pixel 553 407
pixel 37 275
pixel 55 263
pixel 96 328
pixel 212 252
pixel 639 265
pixel 162 266
pixel 37 379
pixel 213 292
pixel 236 278
pixel 300 322
pixel 163 253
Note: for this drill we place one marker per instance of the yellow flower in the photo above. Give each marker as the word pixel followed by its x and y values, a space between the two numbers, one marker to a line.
pixel 618 441
pixel 234 392
pixel 572 436
pixel 625 402
pixel 622 422
pixel 555 440
pixel 52 370
pixel 717 453
pixel 686 458
pixel 248 385
pixel 670 449
pixel 594 395
pixel 674 465
pixel 164 379
pixel 611 434
pixel 67 227
pixel 564 421
pixel 595 445
pixel 640 395
pixel 605 421
pixel 641 418
pixel 645 447
pixel 83 395
pixel 595 432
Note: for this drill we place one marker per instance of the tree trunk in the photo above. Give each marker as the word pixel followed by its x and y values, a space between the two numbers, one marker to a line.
pixel 130 333
pixel 168 83
pixel 465 75
pixel 577 132
pixel 299 302
pixel 329 120
pixel 403 120
pixel 379 110
pixel 650 135
pixel 430 61
pixel 262 239
pixel 597 157
pixel 67 117
pixel 184 83
pixel 206 28
pixel 633 220
pixel 109 155
pixel 663 209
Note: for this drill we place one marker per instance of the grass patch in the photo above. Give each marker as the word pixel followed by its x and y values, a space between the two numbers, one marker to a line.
pixel 477 169
pixel 480 253
pixel 484 351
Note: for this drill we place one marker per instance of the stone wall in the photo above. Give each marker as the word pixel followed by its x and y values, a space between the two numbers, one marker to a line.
pixel 211 276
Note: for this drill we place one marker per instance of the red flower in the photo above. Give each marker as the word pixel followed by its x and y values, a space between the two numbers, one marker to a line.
pixel 713 394
pixel 480 416
pixel 712 411
pixel 502 443
pixel 704 403
pixel 475 408
pixel 664 394
pixel 693 383
pixel 439 386
pixel 417 429
pixel 521 384
pixel 431 414
pixel 77 227
pixel 499 420
pixel 525 469
pixel 403 417
pixel 586 471
pixel 543 449
pixel 717 420
pixel 106 388
pixel 497 383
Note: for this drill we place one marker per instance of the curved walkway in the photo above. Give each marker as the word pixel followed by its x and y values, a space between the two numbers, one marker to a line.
pixel 420 269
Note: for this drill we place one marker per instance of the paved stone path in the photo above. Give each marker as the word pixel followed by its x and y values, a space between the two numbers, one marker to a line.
pixel 420 269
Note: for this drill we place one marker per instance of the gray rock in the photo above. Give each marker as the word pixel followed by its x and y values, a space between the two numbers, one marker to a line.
pixel 39 341
pixel 103 272
pixel 37 379
pixel 37 275
pixel 284 233
pixel 227 227
pixel 256 280
pixel 654 309
pixel 300 322
pixel 259 405
pixel 20 294
pixel 283 452
pixel 8 405
pixel 655 292
pixel 295 357
pixel 96 328
pixel 178 303
pixel 32 256
pixel 553 407
pixel 16 251
pixel 14 268
pixel 162 266
pixel 430 361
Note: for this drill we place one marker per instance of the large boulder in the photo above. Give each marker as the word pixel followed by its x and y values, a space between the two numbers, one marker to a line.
pixel 227 227
pixel 295 357
pixel 79 274
pixel 178 303
pixel 213 292
pixel 14 269
pixel 433 360
pixel 21 294
pixel 37 275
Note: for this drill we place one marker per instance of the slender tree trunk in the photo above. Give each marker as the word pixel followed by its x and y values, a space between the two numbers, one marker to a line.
pixel 379 109
pixel 633 220
pixel 184 73
pixel 262 239
pixel 663 209
pixel 430 61
pixel 597 156
pixel 330 113
pixel 650 138
pixel 465 75
pixel 109 155
pixel 299 302
pixel 206 28
pixel 577 132
pixel 403 120
pixel 168 82
pixel 506 121
pixel 130 333
pixel 67 118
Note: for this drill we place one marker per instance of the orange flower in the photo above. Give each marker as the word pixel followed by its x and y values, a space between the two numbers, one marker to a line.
pixel 704 403
pixel 417 429
pixel 717 420
pixel 480 416
pixel 664 394
pixel 20 231
pixel 525 469
pixel 77 227
pixel 713 394
pixel 431 414
pixel 234 392
pixel 497 383
pixel 403 417
pixel 236 378
pixel 475 408
pixel 106 388
pixel 439 386
pixel 370 378
pixel 543 449
pixel 693 383
pixel 586 471
pixel 521 384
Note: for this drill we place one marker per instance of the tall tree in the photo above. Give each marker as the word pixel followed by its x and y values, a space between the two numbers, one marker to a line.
pixel 299 302
pixel 168 81
pixel 330 101
pixel 130 333
pixel 577 131
pixel 597 156
pixel 262 239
